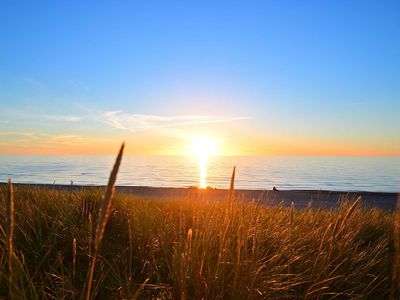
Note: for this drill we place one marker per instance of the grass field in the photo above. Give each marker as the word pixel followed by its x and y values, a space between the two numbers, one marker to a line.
pixel 51 241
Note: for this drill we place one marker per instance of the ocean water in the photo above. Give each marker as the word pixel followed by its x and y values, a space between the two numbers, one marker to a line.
pixel 329 173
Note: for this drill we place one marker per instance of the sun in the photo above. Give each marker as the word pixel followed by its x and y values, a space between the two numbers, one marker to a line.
pixel 203 147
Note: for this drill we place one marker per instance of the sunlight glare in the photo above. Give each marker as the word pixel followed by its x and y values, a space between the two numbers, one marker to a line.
pixel 203 147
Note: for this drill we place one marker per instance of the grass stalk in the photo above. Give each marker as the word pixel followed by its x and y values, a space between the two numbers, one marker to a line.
pixel 90 237
pixel 232 188
pixel 102 219
pixel 349 213
pixel 10 235
pixel 73 260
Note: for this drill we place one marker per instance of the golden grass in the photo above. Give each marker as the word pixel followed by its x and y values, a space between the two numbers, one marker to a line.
pixel 102 219
pixel 10 224
pixel 191 249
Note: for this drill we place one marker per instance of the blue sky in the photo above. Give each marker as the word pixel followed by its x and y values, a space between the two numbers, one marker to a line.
pixel 271 75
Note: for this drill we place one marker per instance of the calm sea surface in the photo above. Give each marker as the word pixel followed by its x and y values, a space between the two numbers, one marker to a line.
pixel 332 173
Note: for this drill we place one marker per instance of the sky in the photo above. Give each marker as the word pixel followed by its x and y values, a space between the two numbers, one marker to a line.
pixel 257 77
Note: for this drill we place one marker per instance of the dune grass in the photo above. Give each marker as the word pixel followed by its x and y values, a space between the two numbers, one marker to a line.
pixel 185 249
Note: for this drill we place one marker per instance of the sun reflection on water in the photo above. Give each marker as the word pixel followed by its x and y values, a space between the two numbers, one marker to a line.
pixel 203 172
pixel 203 147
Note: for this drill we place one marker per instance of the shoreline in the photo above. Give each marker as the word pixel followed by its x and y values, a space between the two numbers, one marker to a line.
pixel 301 198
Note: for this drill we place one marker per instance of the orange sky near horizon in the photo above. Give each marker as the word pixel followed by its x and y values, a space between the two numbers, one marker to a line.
pixel 161 135
pixel 233 146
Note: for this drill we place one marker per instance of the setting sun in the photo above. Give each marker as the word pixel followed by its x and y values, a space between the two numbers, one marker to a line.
pixel 203 147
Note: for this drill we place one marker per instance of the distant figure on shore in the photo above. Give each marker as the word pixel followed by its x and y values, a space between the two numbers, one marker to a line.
pixel 72 182
pixel 275 189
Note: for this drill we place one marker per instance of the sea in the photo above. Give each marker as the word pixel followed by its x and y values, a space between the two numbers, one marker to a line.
pixel 375 174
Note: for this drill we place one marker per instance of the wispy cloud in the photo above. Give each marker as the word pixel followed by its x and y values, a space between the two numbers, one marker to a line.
pixel 43 138
pixel 64 118
pixel 15 115
pixel 137 122
pixel 18 133
pixel 66 139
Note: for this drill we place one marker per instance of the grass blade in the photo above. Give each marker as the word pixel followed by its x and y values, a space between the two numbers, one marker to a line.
pixel 10 233
pixel 102 219
pixel 232 187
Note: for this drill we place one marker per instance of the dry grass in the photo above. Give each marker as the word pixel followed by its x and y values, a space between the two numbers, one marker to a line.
pixel 102 219
pixel 10 224
pixel 186 249
pixel 194 249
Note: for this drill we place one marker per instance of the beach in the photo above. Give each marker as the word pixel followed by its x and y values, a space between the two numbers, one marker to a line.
pixel 300 198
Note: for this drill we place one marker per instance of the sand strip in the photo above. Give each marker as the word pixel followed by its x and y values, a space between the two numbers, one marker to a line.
pixel 301 198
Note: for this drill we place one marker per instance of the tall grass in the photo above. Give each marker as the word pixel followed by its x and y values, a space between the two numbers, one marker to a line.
pixel 102 219
pixel 10 234
pixel 193 249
